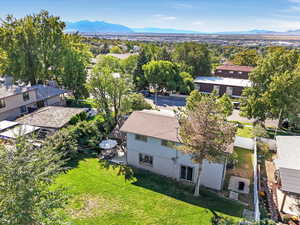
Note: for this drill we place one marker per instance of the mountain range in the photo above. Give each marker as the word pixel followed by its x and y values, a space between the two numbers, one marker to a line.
pixel 104 27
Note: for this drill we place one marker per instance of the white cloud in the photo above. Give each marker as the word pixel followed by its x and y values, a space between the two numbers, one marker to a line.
pixel 182 6
pixel 198 23
pixel 294 7
pixel 164 17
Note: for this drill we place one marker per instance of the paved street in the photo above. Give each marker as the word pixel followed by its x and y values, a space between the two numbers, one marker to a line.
pixel 167 101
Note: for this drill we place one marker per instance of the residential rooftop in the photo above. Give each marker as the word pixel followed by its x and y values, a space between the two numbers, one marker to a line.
pixel 50 117
pixel 161 124
pixel 17 131
pixel 5 124
pixel 122 56
pixel 288 152
pixel 223 81
pixel 158 124
pixel 43 91
pixel 288 155
pixel 236 68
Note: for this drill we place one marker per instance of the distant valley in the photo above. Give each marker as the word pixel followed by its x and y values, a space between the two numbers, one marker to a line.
pixel 86 26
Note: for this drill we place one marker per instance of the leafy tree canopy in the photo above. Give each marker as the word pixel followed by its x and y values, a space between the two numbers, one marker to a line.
pixel 26 175
pixel 275 86
pixel 248 57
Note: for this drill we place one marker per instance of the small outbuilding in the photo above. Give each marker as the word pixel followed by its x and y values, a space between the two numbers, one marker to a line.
pixel 288 173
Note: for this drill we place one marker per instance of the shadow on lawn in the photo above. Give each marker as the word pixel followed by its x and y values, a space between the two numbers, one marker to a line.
pixel 207 199
pixel 86 154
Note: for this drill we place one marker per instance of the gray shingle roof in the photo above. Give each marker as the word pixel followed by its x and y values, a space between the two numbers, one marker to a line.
pixel 43 91
pixel 50 117
pixel 157 124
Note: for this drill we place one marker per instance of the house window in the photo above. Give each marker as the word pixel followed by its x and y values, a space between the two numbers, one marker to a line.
pixel 186 173
pixel 240 72
pixel 219 71
pixel 231 72
pixel 26 96
pixel 2 103
pixel 146 159
pixel 229 90
pixel 141 138
pixel 216 89
pixel 23 109
pixel 169 144
pixel 241 186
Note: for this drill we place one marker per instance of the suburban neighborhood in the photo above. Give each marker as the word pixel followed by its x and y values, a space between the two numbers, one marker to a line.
pixel 101 123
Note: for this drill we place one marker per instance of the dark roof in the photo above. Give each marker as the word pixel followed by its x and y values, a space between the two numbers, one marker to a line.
pixel 50 117
pixel 236 68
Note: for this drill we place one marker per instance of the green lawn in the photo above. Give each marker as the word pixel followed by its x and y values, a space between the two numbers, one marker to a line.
pixel 245 132
pixel 100 196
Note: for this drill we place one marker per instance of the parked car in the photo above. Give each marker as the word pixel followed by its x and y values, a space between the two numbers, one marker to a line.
pixel 146 93
pixel 164 93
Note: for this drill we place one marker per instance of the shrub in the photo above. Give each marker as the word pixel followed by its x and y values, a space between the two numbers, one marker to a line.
pixel 83 134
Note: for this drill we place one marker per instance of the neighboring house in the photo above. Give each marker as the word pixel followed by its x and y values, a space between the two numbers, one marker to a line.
pixel 288 174
pixel 229 79
pixel 234 71
pixel 50 117
pixel 19 100
pixel 151 140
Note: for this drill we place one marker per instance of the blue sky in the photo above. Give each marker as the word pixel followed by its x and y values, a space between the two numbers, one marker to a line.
pixel 199 15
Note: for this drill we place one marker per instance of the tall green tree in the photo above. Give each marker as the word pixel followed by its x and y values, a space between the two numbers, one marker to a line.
pixel 110 91
pixel 129 64
pixel 194 57
pixel 115 50
pixel 275 86
pixel 186 84
pixel 226 105
pixel 193 99
pixel 104 61
pixel 32 44
pixel 75 59
pixel 139 78
pixel 26 176
pixel 162 74
pixel 248 57
pixel 204 133
pixel 3 62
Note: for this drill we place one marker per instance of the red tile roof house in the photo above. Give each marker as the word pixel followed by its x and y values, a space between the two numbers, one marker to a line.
pixel 229 79
pixel 151 140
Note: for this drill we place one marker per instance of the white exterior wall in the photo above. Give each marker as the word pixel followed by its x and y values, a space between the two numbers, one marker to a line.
pixel 165 163
pixel 56 100
pixel 16 101
pixel 13 103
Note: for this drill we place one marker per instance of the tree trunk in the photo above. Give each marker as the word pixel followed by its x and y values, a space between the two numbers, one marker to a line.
pixel 197 187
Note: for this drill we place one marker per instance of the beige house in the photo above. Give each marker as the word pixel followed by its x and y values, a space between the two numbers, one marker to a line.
pixel 19 100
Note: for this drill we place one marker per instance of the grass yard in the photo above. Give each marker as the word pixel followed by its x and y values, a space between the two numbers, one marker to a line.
pixel 243 168
pixel 245 132
pixel 100 196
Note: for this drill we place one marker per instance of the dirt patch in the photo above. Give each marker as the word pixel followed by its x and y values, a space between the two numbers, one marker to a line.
pixel 86 206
